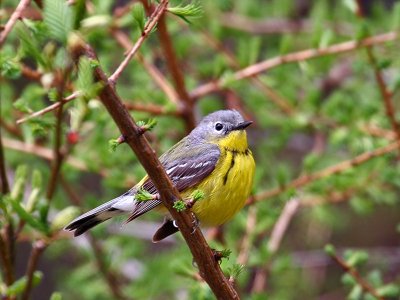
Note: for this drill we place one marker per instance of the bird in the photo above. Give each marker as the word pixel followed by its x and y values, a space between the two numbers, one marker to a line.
pixel 213 158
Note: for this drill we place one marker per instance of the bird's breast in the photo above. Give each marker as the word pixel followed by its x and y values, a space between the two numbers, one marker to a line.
pixel 226 188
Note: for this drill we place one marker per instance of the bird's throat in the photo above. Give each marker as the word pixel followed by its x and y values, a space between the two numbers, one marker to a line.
pixel 234 141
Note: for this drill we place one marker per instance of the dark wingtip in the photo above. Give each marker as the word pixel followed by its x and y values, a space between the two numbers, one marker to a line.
pixel 166 229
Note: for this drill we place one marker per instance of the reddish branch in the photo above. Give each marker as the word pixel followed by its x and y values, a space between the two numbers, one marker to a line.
pixel 177 74
pixel 14 17
pixel 123 39
pixel 293 57
pixel 335 169
pixel 151 23
pixel 208 266
pixel 353 272
pixel 49 108
pixel 37 250
pixel 386 94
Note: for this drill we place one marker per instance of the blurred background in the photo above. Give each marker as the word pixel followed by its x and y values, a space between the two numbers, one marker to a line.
pixel 320 81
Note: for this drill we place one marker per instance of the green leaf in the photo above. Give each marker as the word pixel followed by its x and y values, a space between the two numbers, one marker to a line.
pixel 192 10
pixel 396 16
pixel 56 296
pixel 59 19
pixel 22 105
pixel 356 258
pixel 330 249
pixel 390 290
pixel 355 293
pixel 27 217
pixel 63 217
pixel 30 45
pixel 197 195
pixel 143 195
pixel 139 15
pixel 179 205
pixel 17 190
pixel 85 76
pixel 235 270
pixel 19 286
pixel 351 5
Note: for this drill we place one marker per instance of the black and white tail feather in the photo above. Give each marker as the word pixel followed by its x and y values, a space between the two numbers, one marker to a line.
pixel 124 204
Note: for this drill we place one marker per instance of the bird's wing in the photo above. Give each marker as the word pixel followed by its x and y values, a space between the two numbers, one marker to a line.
pixel 187 168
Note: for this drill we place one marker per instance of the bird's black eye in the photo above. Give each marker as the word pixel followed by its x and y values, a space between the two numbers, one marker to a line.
pixel 219 126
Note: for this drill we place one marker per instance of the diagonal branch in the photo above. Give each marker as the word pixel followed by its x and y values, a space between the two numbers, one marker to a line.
pixel 335 169
pixel 151 23
pixel 293 57
pixel 203 256
pixel 14 17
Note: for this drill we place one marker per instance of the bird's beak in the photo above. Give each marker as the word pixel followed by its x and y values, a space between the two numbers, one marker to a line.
pixel 242 125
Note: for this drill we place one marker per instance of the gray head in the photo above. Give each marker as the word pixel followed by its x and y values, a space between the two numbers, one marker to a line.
pixel 218 125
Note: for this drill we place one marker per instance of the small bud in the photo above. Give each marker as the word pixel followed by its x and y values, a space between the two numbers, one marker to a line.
pixel 179 205
pixel 63 217
pixel 143 195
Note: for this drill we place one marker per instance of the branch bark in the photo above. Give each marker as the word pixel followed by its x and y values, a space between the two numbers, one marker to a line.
pixel 293 57
pixel 335 169
pixel 14 17
pixel 208 267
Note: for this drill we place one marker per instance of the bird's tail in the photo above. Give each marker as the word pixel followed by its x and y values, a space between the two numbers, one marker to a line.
pixel 93 217
pixel 123 204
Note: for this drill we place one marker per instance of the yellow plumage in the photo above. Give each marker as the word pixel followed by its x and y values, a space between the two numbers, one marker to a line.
pixel 229 185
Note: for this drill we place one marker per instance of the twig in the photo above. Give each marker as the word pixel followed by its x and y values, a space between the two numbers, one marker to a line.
pixel 50 108
pixel 243 255
pixel 385 93
pixel 294 57
pixel 335 169
pixel 357 277
pixel 177 75
pixel 113 78
pixel 30 73
pixel 277 99
pixel 37 250
pixel 282 224
pixel 14 17
pixel 151 108
pixel 208 266
pixel 58 154
pixel 150 24
pixel 4 187
pixel 158 77
pixel 276 25
pixel 45 153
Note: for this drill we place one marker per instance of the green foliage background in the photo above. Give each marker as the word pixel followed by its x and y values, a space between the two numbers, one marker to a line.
pixel 337 113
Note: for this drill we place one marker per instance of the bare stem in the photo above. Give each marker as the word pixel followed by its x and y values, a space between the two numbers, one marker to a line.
pixel 177 74
pixel 50 108
pixel 335 169
pixel 14 17
pixel 37 250
pixel 151 23
pixel 357 277
pixel 294 57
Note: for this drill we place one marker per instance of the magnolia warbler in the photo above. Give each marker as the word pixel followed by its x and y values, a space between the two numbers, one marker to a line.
pixel 214 159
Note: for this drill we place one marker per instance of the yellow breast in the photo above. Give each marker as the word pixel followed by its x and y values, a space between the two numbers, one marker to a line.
pixel 229 185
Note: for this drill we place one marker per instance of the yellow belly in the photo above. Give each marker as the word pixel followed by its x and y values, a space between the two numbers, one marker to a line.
pixel 226 189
